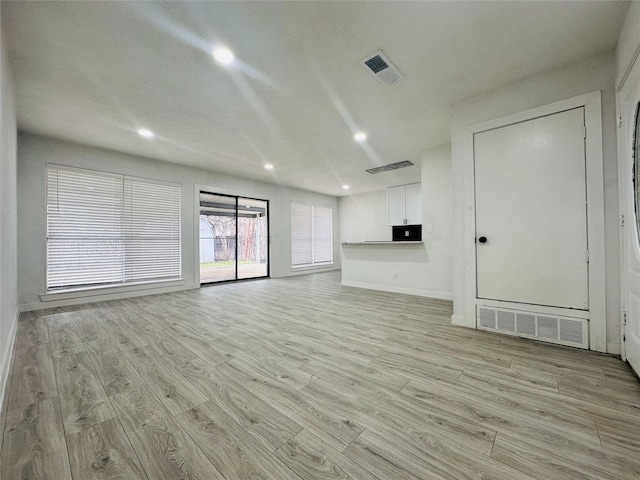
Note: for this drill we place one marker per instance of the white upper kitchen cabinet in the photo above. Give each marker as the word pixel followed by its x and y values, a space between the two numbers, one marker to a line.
pixel 404 204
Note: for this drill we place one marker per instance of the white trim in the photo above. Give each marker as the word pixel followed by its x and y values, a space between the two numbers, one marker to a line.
pixel 305 271
pixel 311 266
pixel 407 291
pixel 196 233
pixel 625 107
pixel 623 148
pixel 595 207
pixel 98 291
pixel 91 295
pixel 5 361
pixel 596 225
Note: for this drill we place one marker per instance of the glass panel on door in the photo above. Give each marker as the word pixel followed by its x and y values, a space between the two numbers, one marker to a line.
pixel 217 238
pixel 253 235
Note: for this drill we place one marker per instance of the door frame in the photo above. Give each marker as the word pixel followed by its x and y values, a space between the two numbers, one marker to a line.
pixel 197 188
pixel 592 103
pixel 625 135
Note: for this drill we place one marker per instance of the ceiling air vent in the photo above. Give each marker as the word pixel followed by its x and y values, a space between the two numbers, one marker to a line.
pixel 382 68
pixel 391 166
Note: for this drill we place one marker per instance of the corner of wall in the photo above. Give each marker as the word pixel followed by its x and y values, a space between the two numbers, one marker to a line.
pixel 5 362
pixel 613 348
pixel 628 48
pixel 462 321
pixel 8 218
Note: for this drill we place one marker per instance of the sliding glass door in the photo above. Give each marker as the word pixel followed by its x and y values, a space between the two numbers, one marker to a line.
pixel 234 238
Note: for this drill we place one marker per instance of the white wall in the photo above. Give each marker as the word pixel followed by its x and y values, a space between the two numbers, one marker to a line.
pixel 36 151
pixel 628 43
pixel 8 238
pixel 596 73
pixel 421 270
pixel 437 211
pixel 364 217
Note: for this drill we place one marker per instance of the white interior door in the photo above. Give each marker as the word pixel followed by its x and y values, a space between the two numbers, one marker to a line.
pixel 531 218
pixel 629 175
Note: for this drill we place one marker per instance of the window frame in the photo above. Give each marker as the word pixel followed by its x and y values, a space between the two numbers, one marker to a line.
pixel 635 172
pixel 131 223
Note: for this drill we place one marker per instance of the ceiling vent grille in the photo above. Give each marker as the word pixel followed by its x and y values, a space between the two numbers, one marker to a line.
pixel 391 166
pixel 381 68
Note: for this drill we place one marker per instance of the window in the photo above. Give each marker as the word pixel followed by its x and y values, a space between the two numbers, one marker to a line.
pixel 311 235
pixel 636 169
pixel 106 230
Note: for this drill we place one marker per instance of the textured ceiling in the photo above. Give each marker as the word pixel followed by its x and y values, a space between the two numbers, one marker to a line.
pixel 96 72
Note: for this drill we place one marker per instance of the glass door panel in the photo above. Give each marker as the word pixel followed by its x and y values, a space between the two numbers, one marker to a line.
pixel 253 235
pixel 217 238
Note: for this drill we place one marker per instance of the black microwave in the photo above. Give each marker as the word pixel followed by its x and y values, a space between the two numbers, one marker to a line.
pixel 407 233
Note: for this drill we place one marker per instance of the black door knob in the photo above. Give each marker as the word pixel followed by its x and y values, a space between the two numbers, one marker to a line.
pixel 482 239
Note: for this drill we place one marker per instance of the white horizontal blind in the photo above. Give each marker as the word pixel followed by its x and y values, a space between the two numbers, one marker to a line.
pixel 84 228
pixel 311 234
pixel 151 230
pixel 301 234
pixel 105 229
pixel 323 235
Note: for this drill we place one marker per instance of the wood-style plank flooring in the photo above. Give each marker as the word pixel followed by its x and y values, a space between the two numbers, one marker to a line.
pixel 301 378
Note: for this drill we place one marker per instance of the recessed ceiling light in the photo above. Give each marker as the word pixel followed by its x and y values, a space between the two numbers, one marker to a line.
pixel 345 187
pixel 223 55
pixel 360 137
pixel 143 132
pixel 268 166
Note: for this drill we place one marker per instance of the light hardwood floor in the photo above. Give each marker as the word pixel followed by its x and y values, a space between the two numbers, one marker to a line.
pixel 300 378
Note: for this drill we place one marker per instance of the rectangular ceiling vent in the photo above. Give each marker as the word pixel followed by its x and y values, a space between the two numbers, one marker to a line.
pixel 381 67
pixel 391 166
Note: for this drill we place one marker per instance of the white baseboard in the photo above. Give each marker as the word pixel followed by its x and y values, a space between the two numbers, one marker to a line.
pixel 462 321
pixel 406 291
pixel 5 361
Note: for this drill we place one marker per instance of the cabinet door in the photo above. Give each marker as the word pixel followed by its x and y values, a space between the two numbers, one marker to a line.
pixel 414 204
pixel 396 205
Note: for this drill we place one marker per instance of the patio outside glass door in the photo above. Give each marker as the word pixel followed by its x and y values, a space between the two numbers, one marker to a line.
pixel 234 233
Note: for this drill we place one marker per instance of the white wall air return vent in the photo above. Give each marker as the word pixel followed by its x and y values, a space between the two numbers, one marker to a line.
pixel 381 67
pixel 549 328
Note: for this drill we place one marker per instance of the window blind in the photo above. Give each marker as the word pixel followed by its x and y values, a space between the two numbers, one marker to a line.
pixel 301 234
pixel 105 229
pixel 311 234
pixel 323 235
